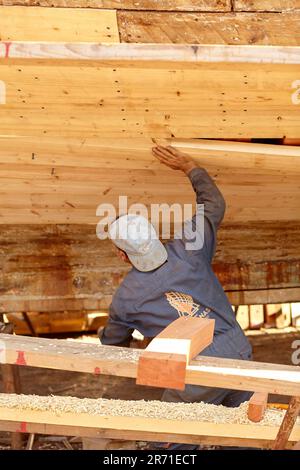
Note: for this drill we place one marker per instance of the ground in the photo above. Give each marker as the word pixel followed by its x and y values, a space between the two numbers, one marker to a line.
pixel 276 348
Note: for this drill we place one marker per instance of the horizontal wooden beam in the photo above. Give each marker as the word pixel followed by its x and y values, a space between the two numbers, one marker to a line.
pixel 168 5
pixel 55 268
pixel 140 429
pixel 136 422
pixel 69 430
pixel 210 28
pixel 56 180
pixel 264 296
pixel 79 51
pixel 267 5
pixel 111 360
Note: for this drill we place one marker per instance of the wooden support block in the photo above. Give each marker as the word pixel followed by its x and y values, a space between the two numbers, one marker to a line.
pixel 162 370
pixel 256 316
pixel 295 309
pixel 271 313
pixel 163 363
pixel 242 316
pixel 284 318
pixel 257 406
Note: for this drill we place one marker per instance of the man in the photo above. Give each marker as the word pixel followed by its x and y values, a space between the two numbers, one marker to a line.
pixel 169 280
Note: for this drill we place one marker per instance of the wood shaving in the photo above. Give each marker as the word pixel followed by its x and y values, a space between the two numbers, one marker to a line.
pixel 140 408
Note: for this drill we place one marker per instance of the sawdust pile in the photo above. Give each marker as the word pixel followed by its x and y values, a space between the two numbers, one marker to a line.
pixel 139 408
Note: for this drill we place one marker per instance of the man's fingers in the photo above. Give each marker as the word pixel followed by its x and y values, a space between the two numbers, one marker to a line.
pixel 163 151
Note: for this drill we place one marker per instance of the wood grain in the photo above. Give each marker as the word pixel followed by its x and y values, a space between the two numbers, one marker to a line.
pixel 188 5
pixel 210 28
pixel 267 5
pixel 58 24
pixel 111 360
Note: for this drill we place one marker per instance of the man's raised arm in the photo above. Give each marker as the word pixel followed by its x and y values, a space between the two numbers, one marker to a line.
pixel 206 191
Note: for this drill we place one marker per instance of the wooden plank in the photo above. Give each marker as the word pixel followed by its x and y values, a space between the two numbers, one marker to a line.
pixel 58 24
pixel 50 180
pixel 257 406
pixel 264 295
pixel 58 322
pixel 139 423
pixel 183 5
pixel 232 106
pixel 160 53
pixel 163 363
pixel 111 360
pixel 267 5
pixel 210 28
pixel 287 424
pixel 54 429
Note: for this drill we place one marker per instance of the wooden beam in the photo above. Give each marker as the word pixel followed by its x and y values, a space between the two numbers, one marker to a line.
pixel 210 28
pixel 137 423
pixel 54 268
pixel 55 429
pixel 168 5
pixel 264 295
pixel 257 406
pixel 267 5
pixel 163 363
pixel 58 24
pixel 111 360
pixel 49 180
pixel 287 424
pixel 80 51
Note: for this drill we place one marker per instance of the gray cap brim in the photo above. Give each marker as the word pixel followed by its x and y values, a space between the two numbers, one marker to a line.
pixel 152 260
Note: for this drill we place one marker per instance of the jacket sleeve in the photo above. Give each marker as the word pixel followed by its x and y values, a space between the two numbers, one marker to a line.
pixel 116 332
pixel 209 213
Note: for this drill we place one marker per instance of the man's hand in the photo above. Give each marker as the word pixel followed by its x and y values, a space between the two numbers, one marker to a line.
pixel 174 158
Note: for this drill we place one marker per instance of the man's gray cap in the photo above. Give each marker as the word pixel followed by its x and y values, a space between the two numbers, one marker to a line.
pixel 138 238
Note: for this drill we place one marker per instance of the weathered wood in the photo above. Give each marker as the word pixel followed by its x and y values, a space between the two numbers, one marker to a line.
pixel 163 363
pixel 58 24
pixel 288 424
pixel 196 28
pixel 58 322
pixel 111 360
pixel 284 318
pixel 257 406
pixel 184 5
pixel 62 267
pixel 267 5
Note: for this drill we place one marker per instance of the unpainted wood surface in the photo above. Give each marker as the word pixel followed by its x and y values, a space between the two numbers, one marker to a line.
pixel 58 24
pixel 112 360
pixel 56 180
